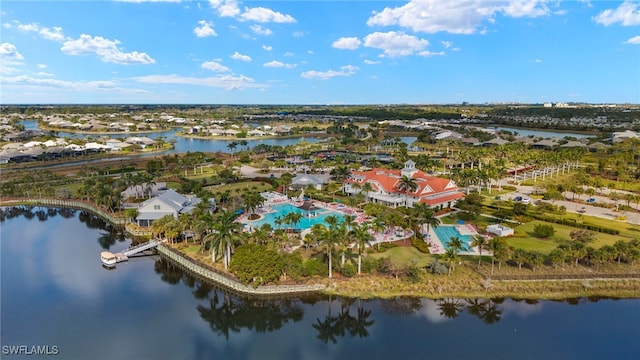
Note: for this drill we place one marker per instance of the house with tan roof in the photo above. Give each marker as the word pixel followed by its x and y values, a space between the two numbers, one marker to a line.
pixel 386 189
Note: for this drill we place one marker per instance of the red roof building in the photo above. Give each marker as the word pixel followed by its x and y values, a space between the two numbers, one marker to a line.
pixel 386 189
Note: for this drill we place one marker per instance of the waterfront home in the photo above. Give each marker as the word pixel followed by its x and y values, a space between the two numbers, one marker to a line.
pixel 387 189
pixel 169 202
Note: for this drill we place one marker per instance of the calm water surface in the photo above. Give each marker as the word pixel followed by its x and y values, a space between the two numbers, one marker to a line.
pixel 55 292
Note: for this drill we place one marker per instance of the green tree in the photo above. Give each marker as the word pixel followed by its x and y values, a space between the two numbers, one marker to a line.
pixel 257 264
pixel 363 238
pixel 406 185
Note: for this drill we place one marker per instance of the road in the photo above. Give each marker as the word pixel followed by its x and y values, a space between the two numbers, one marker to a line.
pixel 597 211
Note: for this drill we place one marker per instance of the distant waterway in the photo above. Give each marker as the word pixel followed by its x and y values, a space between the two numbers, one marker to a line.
pixel 542 133
pixel 183 144
pixel 55 292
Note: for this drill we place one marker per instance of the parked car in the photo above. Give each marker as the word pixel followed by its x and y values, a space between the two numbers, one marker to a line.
pixel 591 200
pixel 524 200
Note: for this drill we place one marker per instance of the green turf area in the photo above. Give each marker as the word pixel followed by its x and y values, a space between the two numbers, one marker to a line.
pixel 405 255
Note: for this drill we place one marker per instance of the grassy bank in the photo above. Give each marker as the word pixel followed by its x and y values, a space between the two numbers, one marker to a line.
pixel 466 283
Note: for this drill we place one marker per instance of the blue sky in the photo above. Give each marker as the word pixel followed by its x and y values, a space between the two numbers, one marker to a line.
pixel 319 52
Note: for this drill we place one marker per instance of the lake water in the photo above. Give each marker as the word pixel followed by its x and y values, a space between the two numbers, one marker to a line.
pixel 184 144
pixel 55 292
pixel 543 133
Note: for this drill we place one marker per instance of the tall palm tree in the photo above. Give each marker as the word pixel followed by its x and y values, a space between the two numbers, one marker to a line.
pixel 454 245
pixel 378 226
pixel 226 232
pixel 424 214
pixel 406 184
pixel 363 238
pixel 481 243
pixel 497 246
pixel 367 188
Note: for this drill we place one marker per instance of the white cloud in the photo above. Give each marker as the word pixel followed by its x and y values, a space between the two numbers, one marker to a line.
pixel 395 43
pixel 10 58
pixel 264 15
pixel 278 64
pixel 427 53
pixel 347 43
pixel 260 30
pixel 107 50
pixel 458 17
pixel 446 44
pixel 61 84
pixel 228 82
pixel 371 62
pixel 347 70
pixel 225 8
pixel 627 14
pixel 230 8
pixel 9 52
pixel 526 8
pixel 205 29
pixel 214 66
pixel 634 40
pixel 54 34
pixel 43 74
pixel 42 66
pixel 267 47
pixel 237 56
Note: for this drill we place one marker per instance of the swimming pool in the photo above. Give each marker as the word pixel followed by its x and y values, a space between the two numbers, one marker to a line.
pixel 445 233
pixel 317 217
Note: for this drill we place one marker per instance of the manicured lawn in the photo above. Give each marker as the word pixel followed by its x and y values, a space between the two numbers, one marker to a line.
pixel 404 255
pixel 532 244
pixel 626 229
pixel 529 242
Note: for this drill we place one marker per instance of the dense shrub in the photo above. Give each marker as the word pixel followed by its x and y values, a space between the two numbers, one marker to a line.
pixel 369 264
pixel 349 270
pixel 420 245
pixel 412 273
pixel 543 230
pixel 313 267
pixel 256 264
pixel 436 267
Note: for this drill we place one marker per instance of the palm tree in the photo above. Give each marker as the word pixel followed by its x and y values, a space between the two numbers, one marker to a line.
pixel 363 238
pixel 454 245
pixel 367 188
pixel 481 243
pixel 378 226
pixel 497 246
pixel 424 214
pixel 406 185
pixel 226 231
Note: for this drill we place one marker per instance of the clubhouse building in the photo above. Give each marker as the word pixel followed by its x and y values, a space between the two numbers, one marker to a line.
pixel 385 187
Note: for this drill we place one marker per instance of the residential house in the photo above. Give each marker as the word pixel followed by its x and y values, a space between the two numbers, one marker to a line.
pixel 433 191
pixel 169 202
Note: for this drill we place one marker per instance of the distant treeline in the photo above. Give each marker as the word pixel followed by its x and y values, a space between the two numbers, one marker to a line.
pixel 620 113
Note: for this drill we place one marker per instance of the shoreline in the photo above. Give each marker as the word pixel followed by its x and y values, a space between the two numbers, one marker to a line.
pixel 469 284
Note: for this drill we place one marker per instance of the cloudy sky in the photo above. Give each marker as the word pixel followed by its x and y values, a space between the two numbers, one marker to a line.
pixel 319 52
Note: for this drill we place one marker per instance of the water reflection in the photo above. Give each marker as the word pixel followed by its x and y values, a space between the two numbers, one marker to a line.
pixel 149 308
pixel 332 327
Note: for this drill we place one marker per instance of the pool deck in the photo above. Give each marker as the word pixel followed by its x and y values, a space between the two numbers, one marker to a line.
pixel 436 245
pixel 273 198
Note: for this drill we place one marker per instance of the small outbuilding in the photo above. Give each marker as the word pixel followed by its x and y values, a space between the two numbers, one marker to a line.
pixel 499 230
